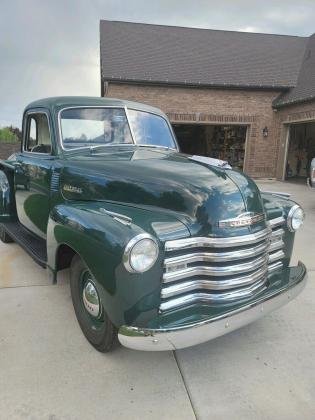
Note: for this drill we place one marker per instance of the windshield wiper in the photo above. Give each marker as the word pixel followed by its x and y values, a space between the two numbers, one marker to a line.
pixel 96 146
pixel 157 146
pixel 111 145
pixel 91 148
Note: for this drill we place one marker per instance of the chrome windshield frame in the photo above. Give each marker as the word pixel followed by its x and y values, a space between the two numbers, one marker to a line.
pixel 125 108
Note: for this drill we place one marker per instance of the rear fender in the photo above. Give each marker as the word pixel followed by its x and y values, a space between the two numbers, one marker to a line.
pixel 7 199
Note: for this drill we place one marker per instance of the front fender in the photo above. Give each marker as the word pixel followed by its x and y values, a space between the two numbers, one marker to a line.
pixel 100 241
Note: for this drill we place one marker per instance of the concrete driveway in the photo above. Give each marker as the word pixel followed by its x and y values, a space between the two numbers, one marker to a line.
pixel 49 371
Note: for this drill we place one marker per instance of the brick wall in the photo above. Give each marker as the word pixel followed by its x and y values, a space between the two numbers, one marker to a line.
pixel 6 149
pixel 217 106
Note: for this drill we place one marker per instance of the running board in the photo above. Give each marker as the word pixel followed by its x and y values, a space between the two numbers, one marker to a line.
pixel 32 244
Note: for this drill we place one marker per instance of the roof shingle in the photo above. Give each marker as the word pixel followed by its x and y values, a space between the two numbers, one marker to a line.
pixel 305 87
pixel 176 55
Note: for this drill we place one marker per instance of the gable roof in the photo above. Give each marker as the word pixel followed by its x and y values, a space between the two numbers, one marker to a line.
pixel 305 86
pixel 137 52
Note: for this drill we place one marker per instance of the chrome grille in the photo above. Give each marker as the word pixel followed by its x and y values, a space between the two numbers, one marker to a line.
pixel 210 270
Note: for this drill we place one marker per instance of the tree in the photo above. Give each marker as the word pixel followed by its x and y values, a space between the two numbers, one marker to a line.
pixel 16 131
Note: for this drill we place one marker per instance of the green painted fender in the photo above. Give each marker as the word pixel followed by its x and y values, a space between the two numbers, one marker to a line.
pixel 100 240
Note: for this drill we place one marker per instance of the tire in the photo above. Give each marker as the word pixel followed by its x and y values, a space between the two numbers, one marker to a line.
pixel 98 330
pixel 4 237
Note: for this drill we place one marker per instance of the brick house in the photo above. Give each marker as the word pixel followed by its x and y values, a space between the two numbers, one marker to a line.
pixel 245 97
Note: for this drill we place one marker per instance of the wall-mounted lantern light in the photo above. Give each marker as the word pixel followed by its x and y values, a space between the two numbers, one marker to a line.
pixel 265 132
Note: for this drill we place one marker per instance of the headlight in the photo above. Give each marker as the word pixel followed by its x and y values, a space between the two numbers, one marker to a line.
pixel 295 218
pixel 141 253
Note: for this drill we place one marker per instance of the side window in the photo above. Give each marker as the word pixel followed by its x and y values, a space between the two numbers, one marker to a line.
pixel 32 138
pixel 37 135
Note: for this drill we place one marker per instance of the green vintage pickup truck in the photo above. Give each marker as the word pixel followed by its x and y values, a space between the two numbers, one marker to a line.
pixel 165 250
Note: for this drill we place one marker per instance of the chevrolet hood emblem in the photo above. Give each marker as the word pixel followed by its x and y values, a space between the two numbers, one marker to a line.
pixel 244 219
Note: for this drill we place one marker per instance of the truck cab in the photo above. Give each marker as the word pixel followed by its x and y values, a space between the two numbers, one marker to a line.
pixel 165 250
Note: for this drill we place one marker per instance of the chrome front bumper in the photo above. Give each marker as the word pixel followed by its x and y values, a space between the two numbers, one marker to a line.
pixel 192 334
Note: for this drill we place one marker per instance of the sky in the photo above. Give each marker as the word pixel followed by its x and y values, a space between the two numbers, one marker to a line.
pixel 51 47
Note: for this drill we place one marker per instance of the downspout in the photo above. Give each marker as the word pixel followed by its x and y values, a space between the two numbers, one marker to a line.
pixel 105 86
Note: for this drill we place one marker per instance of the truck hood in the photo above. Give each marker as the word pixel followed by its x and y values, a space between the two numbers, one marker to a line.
pixel 197 193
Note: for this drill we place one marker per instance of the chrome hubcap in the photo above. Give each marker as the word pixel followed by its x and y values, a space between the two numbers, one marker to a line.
pixel 91 300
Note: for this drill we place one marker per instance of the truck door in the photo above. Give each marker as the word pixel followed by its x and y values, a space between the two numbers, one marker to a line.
pixel 33 173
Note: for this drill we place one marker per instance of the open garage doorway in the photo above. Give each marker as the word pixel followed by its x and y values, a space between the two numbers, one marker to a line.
pixel 226 142
pixel 300 151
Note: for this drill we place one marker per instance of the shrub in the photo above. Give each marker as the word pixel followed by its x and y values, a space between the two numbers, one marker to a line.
pixel 7 136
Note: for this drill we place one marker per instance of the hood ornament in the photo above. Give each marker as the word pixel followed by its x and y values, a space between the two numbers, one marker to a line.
pixel 244 219
pixel 211 161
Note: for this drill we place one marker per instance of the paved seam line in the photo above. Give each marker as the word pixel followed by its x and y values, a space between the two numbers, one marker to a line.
pixel 186 388
pixel 26 285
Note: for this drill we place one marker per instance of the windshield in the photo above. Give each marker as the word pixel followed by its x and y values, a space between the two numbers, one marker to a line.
pixel 150 129
pixel 93 127
pixel 81 127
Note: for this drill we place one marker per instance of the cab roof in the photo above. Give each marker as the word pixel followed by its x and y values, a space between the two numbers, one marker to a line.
pixel 58 102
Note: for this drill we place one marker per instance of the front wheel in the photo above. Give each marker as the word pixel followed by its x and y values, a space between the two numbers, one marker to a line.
pixel 4 237
pixel 89 310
